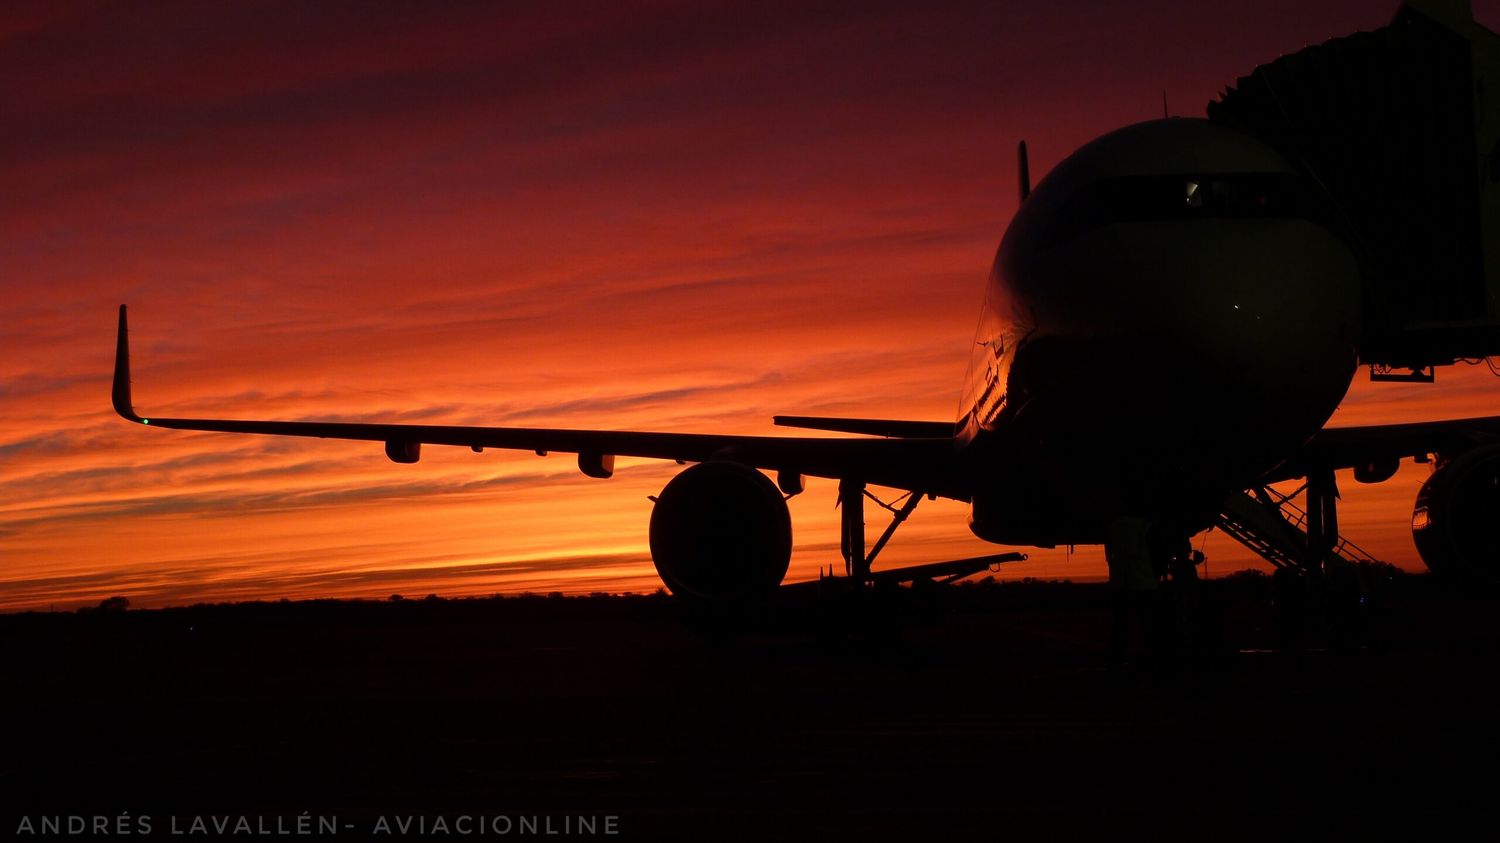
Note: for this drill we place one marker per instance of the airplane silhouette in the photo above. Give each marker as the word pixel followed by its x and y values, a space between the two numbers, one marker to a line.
pixel 1173 314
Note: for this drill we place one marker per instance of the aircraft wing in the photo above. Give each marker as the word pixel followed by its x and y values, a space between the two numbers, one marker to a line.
pixel 1349 447
pixel 923 465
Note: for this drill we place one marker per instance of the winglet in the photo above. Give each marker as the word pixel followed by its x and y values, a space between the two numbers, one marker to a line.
pixel 121 393
pixel 1023 171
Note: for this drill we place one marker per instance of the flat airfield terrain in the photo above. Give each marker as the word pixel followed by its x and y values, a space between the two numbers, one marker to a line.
pixel 987 712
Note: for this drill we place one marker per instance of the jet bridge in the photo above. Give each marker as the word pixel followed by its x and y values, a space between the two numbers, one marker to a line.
pixel 1401 127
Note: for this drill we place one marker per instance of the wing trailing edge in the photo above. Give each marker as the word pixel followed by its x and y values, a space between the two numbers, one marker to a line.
pixel 896 428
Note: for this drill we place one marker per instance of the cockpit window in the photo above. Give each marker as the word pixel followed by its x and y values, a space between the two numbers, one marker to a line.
pixel 1193 196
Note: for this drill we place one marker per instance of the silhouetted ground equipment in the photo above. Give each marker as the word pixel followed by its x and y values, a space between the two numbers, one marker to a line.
pixel 1273 525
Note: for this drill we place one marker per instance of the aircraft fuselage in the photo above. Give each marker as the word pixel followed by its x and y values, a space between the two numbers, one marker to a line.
pixel 1171 313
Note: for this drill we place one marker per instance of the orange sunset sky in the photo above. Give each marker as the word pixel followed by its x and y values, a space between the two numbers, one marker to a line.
pixel 662 216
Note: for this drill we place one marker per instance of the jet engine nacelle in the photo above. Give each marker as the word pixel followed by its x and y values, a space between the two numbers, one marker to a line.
pixel 721 531
pixel 1456 522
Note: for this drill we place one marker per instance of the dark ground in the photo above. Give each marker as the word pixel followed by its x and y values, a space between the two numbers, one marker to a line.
pixel 992 714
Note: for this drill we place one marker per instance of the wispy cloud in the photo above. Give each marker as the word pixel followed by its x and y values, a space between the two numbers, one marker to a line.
pixel 651 215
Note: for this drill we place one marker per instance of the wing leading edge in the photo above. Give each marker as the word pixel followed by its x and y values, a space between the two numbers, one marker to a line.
pixel 925 465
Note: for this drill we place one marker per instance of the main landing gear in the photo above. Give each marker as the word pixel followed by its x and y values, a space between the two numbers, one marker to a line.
pixel 859 574
pixel 861 599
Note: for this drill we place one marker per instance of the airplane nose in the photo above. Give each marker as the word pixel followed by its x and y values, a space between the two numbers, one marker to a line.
pixel 1274 315
pixel 1210 353
pixel 1175 292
